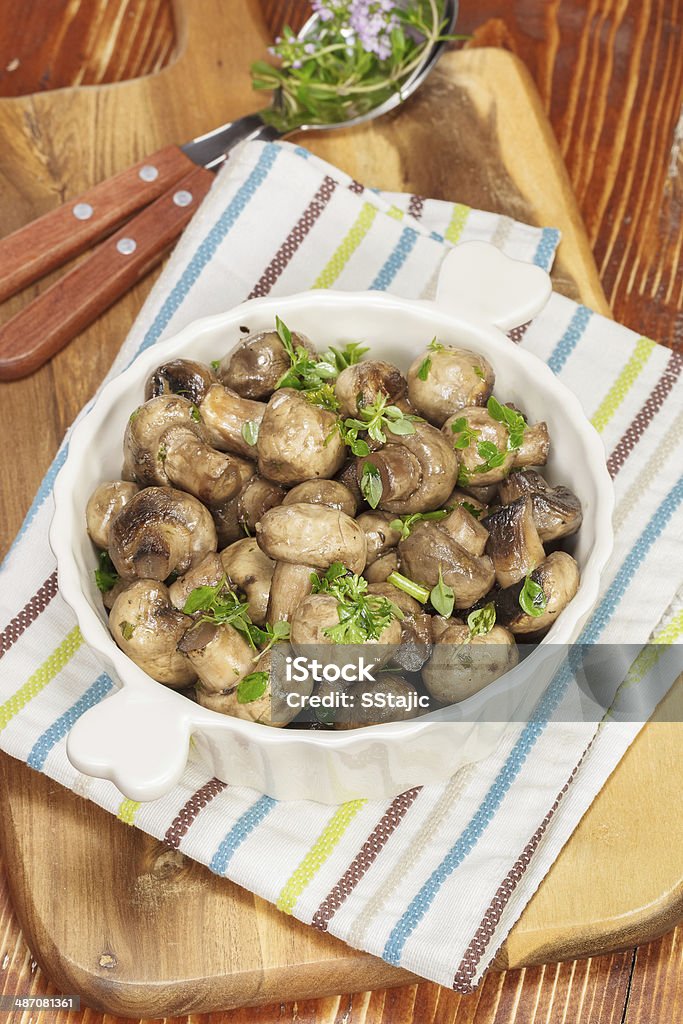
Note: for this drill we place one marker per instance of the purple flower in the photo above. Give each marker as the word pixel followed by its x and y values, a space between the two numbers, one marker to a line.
pixel 373 21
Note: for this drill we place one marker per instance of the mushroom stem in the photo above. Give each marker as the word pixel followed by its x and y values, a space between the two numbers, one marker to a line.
pixel 224 414
pixel 289 586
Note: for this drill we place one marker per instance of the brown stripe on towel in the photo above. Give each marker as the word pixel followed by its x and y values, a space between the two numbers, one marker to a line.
pixel 28 614
pixel 646 414
pixel 294 238
pixel 189 811
pixel 372 846
pixel 416 206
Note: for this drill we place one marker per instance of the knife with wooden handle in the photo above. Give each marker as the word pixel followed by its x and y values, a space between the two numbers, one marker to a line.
pixel 174 181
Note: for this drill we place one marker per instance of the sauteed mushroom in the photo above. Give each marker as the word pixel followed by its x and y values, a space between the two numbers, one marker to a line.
pixel 270 708
pixel 224 413
pixel 232 518
pixel 165 444
pixel 379 535
pixel 417 471
pixel 248 569
pixel 104 504
pixel 514 544
pixel 148 629
pixel 160 531
pixel 416 627
pixel 382 568
pixel 302 538
pixel 534 448
pixel 461 664
pixel 477 426
pixel 219 655
pixel 323 492
pixel 430 548
pixel 466 530
pixel 254 368
pixel 444 379
pixel 180 377
pixel 558 577
pixel 319 612
pixel 556 510
pixel 361 384
pixel 298 441
pixel 208 573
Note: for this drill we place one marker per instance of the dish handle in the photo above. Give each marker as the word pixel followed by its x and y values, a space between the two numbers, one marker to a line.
pixel 138 742
pixel 480 282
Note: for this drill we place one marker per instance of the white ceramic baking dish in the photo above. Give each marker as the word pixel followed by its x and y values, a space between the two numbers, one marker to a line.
pixel 140 737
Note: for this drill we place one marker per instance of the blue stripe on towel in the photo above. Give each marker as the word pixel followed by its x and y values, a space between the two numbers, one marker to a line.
pixel 60 727
pixel 244 825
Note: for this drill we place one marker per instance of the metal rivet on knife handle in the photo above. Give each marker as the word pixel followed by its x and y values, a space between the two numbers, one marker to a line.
pixel 83 211
pixel 148 172
pixel 182 198
pixel 126 246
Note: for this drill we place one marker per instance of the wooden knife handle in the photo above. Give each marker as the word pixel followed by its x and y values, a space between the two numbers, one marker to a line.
pixel 32 251
pixel 48 323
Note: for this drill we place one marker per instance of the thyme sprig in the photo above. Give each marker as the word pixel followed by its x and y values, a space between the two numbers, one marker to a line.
pixel 362 616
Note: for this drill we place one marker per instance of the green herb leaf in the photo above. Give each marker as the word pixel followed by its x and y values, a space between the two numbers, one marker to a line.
pixel 251 687
pixel 476 512
pixel 106 575
pixel 215 365
pixel 250 430
pixel 371 484
pixel 349 355
pixel 195 414
pixel 404 524
pixel 482 621
pixel 479 372
pixel 362 616
pixel 127 630
pixel 466 435
pixel 424 368
pixel 201 599
pixel 376 418
pixel 443 597
pixel 513 420
pixel 532 599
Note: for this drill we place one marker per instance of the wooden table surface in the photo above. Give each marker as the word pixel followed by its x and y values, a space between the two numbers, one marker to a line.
pixel 610 73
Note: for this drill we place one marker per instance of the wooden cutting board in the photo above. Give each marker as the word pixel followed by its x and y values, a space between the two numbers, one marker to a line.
pixel 109 913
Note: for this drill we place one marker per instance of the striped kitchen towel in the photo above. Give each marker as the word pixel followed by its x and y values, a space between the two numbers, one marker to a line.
pixel 434 879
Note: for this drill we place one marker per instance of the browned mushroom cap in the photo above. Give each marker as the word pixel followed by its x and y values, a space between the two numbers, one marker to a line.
pixel 254 367
pixel 418 471
pixel 416 628
pixel 487 430
pixel 453 378
pixel 158 532
pixel 219 655
pixel 224 414
pixel 147 628
pixel 462 665
pixel 382 568
pixel 232 518
pixel 297 440
pixel 556 510
pixel 312 535
pixel 534 448
pixel 558 577
pixel 466 530
pixel 208 573
pixel 349 478
pixel 484 495
pixel 398 703
pixel 165 444
pixel 379 535
pixel 362 383
pixel 320 612
pixel 323 492
pixel 105 502
pixel 429 548
pixel 513 545
pixel 180 377
pixel 248 569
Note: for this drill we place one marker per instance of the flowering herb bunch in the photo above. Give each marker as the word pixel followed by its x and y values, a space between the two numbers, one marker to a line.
pixel 357 55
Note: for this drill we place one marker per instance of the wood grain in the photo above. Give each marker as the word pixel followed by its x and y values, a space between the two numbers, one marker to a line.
pixel 552 39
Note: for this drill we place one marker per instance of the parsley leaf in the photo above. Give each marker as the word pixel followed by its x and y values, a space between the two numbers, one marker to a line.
pixel 424 368
pixel 106 575
pixel 349 355
pixel 362 616
pixel 513 420
pixel 467 434
pixel 532 599
pixel 127 630
pixel 195 414
pixel 215 365
pixel 251 687
pixel 476 512
pixel 443 597
pixel 482 621
pixel 371 484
